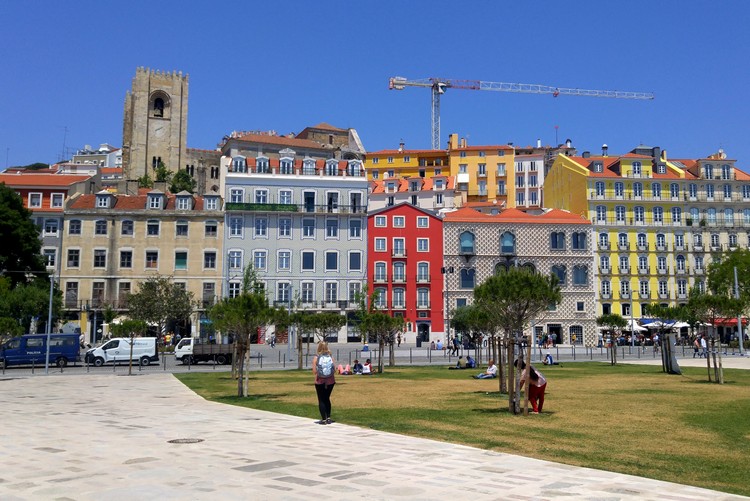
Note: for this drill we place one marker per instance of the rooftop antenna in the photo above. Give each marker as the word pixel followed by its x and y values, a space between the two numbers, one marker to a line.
pixel 65 138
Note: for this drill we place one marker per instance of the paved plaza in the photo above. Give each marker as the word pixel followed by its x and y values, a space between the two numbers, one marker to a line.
pixel 111 437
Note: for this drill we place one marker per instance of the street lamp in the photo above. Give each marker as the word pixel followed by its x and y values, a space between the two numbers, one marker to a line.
pixel 49 316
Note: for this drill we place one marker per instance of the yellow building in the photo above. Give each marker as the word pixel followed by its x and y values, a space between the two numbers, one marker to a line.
pixel 402 163
pixel 482 172
pixel 656 221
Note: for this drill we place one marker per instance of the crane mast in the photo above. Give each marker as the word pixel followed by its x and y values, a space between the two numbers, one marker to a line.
pixel 439 85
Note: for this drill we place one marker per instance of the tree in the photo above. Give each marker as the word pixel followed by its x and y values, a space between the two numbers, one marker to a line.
pixel 20 252
pixel 182 181
pixel 159 301
pixel 383 327
pixel 28 302
pixel 474 323
pixel 130 329
pixel 145 181
pixel 614 324
pixel 709 308
pixel 512 300
pixel 721 273
pixel 243 315
pixel 668 316
pixel 163 174
pixel 9 327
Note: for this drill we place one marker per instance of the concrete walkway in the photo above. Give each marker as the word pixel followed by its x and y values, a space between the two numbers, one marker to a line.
pixel 108 437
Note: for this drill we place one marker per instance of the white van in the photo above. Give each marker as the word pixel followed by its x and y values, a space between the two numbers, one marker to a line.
pixel 118 350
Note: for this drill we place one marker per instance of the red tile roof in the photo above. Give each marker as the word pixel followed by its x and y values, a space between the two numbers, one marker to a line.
pixel 278 140
pixel 551 216
pixel 131 202
pixel 43 180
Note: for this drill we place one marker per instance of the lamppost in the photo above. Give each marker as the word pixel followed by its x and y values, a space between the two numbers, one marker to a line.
pixel 49 316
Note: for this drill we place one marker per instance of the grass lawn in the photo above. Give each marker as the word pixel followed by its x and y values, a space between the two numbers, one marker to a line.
pixel 628 418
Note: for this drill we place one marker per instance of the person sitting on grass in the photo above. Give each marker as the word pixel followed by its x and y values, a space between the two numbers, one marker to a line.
pixel 470 362
pixel 357 367
pixel 367 368
pixel 461 364
pixel 490 373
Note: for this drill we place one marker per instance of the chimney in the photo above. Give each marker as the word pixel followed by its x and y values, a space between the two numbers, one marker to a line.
pixel 538 143
pixel 568 143
pixel 656 153
pixel 586 154
pixel 463 142
pixel 604 150
pixel 401 146
pixel 664 155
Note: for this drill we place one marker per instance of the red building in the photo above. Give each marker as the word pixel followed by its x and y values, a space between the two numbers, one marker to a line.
pixel 405 259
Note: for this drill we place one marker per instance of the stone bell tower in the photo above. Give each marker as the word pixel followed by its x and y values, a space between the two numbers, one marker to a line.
pixel 155 123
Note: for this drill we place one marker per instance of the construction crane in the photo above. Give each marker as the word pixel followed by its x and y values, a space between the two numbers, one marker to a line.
pixel 439 85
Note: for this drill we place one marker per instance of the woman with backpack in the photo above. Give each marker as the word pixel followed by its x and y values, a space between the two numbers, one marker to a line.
pixel 323 370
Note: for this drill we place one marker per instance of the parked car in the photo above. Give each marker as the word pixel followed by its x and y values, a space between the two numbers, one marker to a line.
pixel 32 349
pixel 118 350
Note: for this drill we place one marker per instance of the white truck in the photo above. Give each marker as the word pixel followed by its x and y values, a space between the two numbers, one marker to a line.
pixel 118 350
pixel 191 351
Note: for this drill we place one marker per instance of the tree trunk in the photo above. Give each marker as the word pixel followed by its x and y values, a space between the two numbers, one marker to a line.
pixel 381 350
pixel 246 378
pixel 391 356
pixel 240 369
pixel 299 349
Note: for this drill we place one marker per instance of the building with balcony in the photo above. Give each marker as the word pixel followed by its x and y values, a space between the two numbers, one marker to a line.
pixel 44 194
pixel 384 165
pixel 434 193
pixel 657 221
pixel 113 242
pixel 482 172
pixel 405 249
pixel 301 223
pixel 478 245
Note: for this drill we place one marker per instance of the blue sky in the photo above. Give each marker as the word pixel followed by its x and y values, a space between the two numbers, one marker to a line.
pixel 284 66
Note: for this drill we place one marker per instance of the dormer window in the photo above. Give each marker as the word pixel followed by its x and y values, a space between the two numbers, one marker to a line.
pixel 354 168
pixel 285 166
pixel 239 164
pixel 332 168
pixel 438 184
pixel 183 203
pixel 661 169
pixel 154 201
pixel 211 203
pixel 598 167
pixel 262 165
pixel 308 167
pixel 391 187
pixel 102 201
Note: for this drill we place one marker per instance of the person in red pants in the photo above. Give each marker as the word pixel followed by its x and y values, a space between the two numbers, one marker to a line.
pixel 537 385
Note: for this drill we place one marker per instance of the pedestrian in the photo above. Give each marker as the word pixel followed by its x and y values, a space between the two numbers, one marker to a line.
pixel 398 340
pixel 456 345
pixel 696 348
pixel 537 385
pixel 325 379
pixel 704 347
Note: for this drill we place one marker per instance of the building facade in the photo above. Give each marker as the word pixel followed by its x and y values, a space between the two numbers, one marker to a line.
pixel 436 193
pixel 301 223
pixel 478 245
pixel 657 221
pixel 113 242
pixel 405 259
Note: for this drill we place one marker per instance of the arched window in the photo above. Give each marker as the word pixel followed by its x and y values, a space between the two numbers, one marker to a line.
pixel 580 275
pixel 466 243
pixel 500 268
pixel 641 240
pixel 467 278
pixel 711 215
pixel 559 271
pixel 508 243
pixel 557 240
pixel 729 217
pixel 239 164
pixel 529 267
pixel 579 241
pixel 726 172
pixel 158 107
pixel 637 190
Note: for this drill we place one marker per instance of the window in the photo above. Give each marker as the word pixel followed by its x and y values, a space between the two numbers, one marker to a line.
pixel 183 203
pixel 285 196
pixel 559 271
pixel 380 221
pixel 380 273
pixel 380 244
pixel 439 199
pixel 308 261
pixel 235 260
pixel 636 168
pixel 154 202
pixel 399 221
pixel 211 229
pixel 423 272
pixel 682 288
pixel 398 298
pixel 579 241
pixel 332 228
pixel 100 227
pixel 234 289
pixel 126 259
pixel 307 292
pixel 35 200
pixel 332 261
pixel 259 259
pixel 261 227
pixel 624 288
pixel 354 291
pixel 126 228
pixel 57 200
pixel 211 203
pixel 152 228
pixel 637 190
pixel 284 260
pixel 557 240
pixel 332 292
pixel 74 258
pixel 355 261
pixel 601 214
pixel 423 222
pixel 261 196
pixel 639 214
pixel 423 245
pixel 282 292
pixel 399 248
pixel 399 272
pixel 599 189
pixel 467 278
pixel 100 258
pixel 181 228
pixel 209 293
pixel 285 227
pixel 50 227
pixel 74 227
pixel 619 189
pixel 620 214
pixel 606 288
pixel 355 228
pixel 50 256
pixel 209 260
pixel 580 275
pixel 308 228
pixel 604 264
pixel 604 240
pixel 236 195
pixel 180 260
pixel 152 259
pixel 466 243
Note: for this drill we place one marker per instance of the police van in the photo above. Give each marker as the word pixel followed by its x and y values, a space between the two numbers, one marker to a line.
pixel 32 349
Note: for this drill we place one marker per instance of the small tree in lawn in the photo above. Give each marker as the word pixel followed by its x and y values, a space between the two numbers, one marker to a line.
pixel 512 300
pixel 243 315
pixel 382 326
pixel 614 324
pixel 474 323
pixel 710 308
pixel 130 329
pixel 669 316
